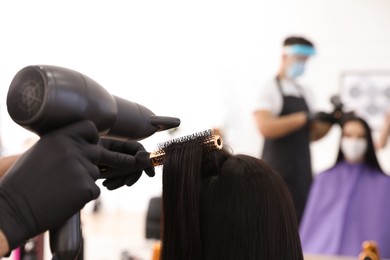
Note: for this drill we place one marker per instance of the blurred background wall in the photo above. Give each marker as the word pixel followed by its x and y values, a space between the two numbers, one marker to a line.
pixel 196 60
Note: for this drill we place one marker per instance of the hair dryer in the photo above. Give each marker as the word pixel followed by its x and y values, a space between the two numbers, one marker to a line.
pixel 339 109
pixel 44 98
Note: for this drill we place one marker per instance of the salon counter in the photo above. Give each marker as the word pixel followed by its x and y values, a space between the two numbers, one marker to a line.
pixel 317 257
pixel 322 257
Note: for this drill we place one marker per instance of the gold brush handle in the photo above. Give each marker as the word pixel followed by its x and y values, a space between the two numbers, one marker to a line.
pixel 212 143
pixel 370 251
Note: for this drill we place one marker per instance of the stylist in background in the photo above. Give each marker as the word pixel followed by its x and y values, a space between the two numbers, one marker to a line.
pixel 284 117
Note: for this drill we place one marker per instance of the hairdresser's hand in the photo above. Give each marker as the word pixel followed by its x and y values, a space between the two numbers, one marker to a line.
pixel 50 182
pixel 122 163
pixel 322 117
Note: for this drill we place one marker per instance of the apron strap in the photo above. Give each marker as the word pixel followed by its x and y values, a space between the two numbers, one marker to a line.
pixel 279 85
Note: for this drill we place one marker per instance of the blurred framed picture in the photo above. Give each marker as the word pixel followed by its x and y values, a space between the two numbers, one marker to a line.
pixel 367 93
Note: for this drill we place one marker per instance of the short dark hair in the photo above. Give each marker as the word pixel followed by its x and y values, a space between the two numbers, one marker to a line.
pixel 297 40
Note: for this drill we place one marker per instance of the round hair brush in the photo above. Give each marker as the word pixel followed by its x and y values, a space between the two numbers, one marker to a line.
pixel 210 139
pixel 370 251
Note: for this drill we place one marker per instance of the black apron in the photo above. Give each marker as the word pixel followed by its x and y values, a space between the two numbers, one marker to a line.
pixel 290 154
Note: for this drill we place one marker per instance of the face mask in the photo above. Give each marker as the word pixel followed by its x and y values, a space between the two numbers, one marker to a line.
pixel 296 69
pixel 353 148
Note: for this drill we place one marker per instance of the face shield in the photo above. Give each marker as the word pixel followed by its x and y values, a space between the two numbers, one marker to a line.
pixel 297 54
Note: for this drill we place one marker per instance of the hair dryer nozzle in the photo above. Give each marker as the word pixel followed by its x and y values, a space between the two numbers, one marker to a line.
pixel 135 122
pixel 164 122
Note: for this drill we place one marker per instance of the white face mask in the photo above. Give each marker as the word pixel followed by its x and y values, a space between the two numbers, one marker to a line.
pixel 353 148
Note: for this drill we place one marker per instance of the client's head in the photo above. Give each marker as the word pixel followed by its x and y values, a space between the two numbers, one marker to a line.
pixel 356 145
pixel 223 206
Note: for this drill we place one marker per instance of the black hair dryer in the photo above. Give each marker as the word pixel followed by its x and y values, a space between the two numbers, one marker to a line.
pixel 339 112
pixel 43 98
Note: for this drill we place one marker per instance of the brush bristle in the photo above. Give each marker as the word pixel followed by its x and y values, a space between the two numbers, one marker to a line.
pixel 196 137
pixel 206 138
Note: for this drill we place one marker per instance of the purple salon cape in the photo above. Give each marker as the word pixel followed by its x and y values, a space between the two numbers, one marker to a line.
pixel 347 204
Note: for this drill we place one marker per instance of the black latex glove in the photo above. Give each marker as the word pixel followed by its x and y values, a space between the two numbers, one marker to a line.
pixel 322 117
pixel 50 182
pixel 122 163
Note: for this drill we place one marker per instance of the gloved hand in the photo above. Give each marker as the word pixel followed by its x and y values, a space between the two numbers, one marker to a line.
pixel 50 182
pixel 122 163
pixel 322 117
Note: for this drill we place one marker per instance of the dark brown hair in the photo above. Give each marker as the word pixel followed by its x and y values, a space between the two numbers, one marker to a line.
pixel 291 40
pixel 217 205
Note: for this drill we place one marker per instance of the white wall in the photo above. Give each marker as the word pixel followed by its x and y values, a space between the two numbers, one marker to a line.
pixel 196 60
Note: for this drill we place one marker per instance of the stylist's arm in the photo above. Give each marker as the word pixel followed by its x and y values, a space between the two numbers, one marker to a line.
pixel 49 183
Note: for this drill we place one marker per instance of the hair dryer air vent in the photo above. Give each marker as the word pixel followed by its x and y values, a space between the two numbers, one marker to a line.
pixel 28 95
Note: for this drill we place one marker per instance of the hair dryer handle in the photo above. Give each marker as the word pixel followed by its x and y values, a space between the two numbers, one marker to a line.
pixel 66 241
